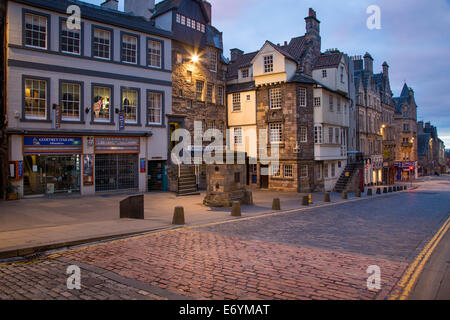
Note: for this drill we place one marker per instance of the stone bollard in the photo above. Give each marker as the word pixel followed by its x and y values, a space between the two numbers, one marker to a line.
pixel 344 195
pixel 236 209
pixel 358 193
pixel 378 190
pixel 178 216
pixel 390 189
pixel 369 192
pixel 326 197
pixel 385 190
pixel 276 205
pixel 305 201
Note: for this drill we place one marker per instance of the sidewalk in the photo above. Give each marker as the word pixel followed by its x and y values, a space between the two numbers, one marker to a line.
pixel 35 225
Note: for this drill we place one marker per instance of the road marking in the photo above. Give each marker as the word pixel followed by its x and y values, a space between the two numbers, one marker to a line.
pixel 415 269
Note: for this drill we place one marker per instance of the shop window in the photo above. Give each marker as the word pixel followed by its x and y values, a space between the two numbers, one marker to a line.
pixel 36 99
pixel 70 101
pixel 130 98
pixel 102 103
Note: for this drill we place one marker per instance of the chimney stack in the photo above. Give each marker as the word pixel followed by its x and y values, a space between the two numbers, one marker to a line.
pixel 111 4
pixel 208 8
pixel 368 63
pixel 235 54
pixel 142 8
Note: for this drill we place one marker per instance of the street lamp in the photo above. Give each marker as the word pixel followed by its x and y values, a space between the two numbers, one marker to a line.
pixel 195 58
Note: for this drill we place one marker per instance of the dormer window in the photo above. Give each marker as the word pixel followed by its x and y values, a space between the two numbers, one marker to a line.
pixel 245 73
pixel 268 64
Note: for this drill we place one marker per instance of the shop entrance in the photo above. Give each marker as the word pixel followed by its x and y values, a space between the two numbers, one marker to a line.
pixel 51 174
pixel 116 172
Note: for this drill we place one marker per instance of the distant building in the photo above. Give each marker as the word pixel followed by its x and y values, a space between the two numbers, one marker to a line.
pixel 431 150
pixel 405 119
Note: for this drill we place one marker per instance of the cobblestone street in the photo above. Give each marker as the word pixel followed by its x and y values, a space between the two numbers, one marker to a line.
pixel 320 253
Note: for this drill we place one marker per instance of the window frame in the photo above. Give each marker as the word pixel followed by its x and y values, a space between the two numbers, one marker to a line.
pixel 271 107
pixel 47 118
pixel 138 105
pixel 213 63
pixel 278 166
pixel 138 47
pixel 81 84
pixel 319 100
pixel 81 54
pixel 237 105
pixel 111 45
pixel 304 166
pixel 163 108
pixel 209 98
pixel 240 142
pixel 162 67
pixel 26 11
pixel 304 134
pixel 111 102
pixel 265 64
pixel 280 141
pixel 202 98
pixel 302 90
pixel 220 94
pixel 291 166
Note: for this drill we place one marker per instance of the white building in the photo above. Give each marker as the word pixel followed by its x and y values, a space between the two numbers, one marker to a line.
pixel 331 115
pixel 86 105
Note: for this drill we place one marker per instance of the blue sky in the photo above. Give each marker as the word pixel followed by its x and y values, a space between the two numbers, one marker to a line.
pixel 414 39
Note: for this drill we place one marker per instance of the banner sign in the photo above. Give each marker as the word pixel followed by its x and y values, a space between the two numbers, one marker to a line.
pixel 117 145
pixel 57 117
pixel 121 121
pixel 88 170
pixel 52 145
pixel 143 165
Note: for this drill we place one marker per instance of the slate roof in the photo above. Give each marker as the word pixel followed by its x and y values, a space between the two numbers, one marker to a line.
pixel 296 47
pixel 423 143
pixel 239 87
pixel 241 62
pixel 168 5
pixel 328 60
pixel 282 50
pixel 405 97
pixel 100 14
pixel 302 78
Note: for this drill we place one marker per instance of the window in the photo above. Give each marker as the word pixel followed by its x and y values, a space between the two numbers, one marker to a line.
pixel 35 31
pixel 324 73
pixel 178 18
pixel 189 76
pixel 193 24
pixel 102 43
pixel 183 20
pixel 248 97
pixel 268 64
pixel 275 98
pixel 154 54
pixel 199 26
pixel 333 170
pixel 275 132
pixel 130 105
pixel 317 134
pixel 209 92
pixel 199 90
pixel 213 61
pixel 36 99
pixel 275 170
pixel 220 94
pixel 288 171
pixel 70 39
pixel 405 114
pixel 179 58
pixel 336 135
pixel 303 134
pixel 245 73
pixel 238 135
pixel 70 101
pixel 102 104
pixel 302 97
pixel 188 22
pixel 325 171
pixel 154 107
pixel 331 102
pixel 318 171
pixel 342 74
pixel 330 135
pixel 405 127
pixel 303 171
pixel 203 28
pixel 236 101
pixel 338 104
pixel 129 49
pixel 317 102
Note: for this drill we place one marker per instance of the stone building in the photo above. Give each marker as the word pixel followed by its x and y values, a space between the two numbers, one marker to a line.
pixel 430 149
pixel 271 91
pixel 368 101
pixel 3 137
pixel 405 120
pixel 198 77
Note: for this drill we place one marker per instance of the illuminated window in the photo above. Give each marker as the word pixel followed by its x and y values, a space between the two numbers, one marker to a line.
pixel 35 99
pixel 102 104
pixel 130 105
pixel 70 101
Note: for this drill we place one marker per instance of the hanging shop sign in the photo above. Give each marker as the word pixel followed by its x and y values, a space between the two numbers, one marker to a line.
pixel 121 121
pixel 88 170
pixel 52 145
pixel 117 145
pixel 143 165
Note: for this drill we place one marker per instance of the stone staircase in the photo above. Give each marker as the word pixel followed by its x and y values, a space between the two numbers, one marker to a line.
pixel 344 179
pixel 187 182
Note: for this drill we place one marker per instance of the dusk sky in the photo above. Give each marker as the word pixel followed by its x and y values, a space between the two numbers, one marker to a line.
pixel 414 39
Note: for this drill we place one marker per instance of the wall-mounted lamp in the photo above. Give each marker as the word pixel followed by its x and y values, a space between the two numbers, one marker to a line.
pixel 195 58
pixel 87 110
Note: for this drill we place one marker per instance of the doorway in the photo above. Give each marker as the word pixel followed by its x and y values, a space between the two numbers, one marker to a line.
pixel 264 179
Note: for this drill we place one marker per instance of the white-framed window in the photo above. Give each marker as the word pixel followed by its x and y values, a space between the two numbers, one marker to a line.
pixel 275 132
pixel 203 28
pixel 336 135
pixel 317 102
pixel 199 26
pixel 178 18
pixel 333 170
pixel 325 171
pixel 237 135
pixel 183 20
pixel 318 134
pixel 102 43
pixel 154 54
pixel 213 61
pixel 188 22
pixel 70 101
pixel 193 24
pixel 102 104
pixel 209 92
pixel 129 49
pixel 199 85
pixel 342 74
pixel 70 40
pixel 302 97
pixel 330 100
pixel 288 171
pixel 220 94
pixel 130 105
pixel 237 101
pixel 35 99
pixel 324 73
pixel 275 170
pixel 35 31
pixel 154 108
pixel 275 98
pixel 318 171
pixel 338 104
pixel 303 134
pixel 245 73
pixel 330 134
pixel 268 64
pixel 303 171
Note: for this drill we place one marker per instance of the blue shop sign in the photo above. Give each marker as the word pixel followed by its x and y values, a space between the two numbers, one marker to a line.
pixel 52 145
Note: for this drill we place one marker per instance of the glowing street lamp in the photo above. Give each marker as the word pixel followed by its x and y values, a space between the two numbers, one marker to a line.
pixel 195 58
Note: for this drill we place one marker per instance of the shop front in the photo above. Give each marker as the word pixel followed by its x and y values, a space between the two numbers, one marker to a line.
pixel 51 165
pixel 405 171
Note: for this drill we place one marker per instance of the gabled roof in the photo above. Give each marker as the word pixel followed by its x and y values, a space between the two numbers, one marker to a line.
pixel 328 60
pixel 282 51
pixel 242 61
pixel 168 5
